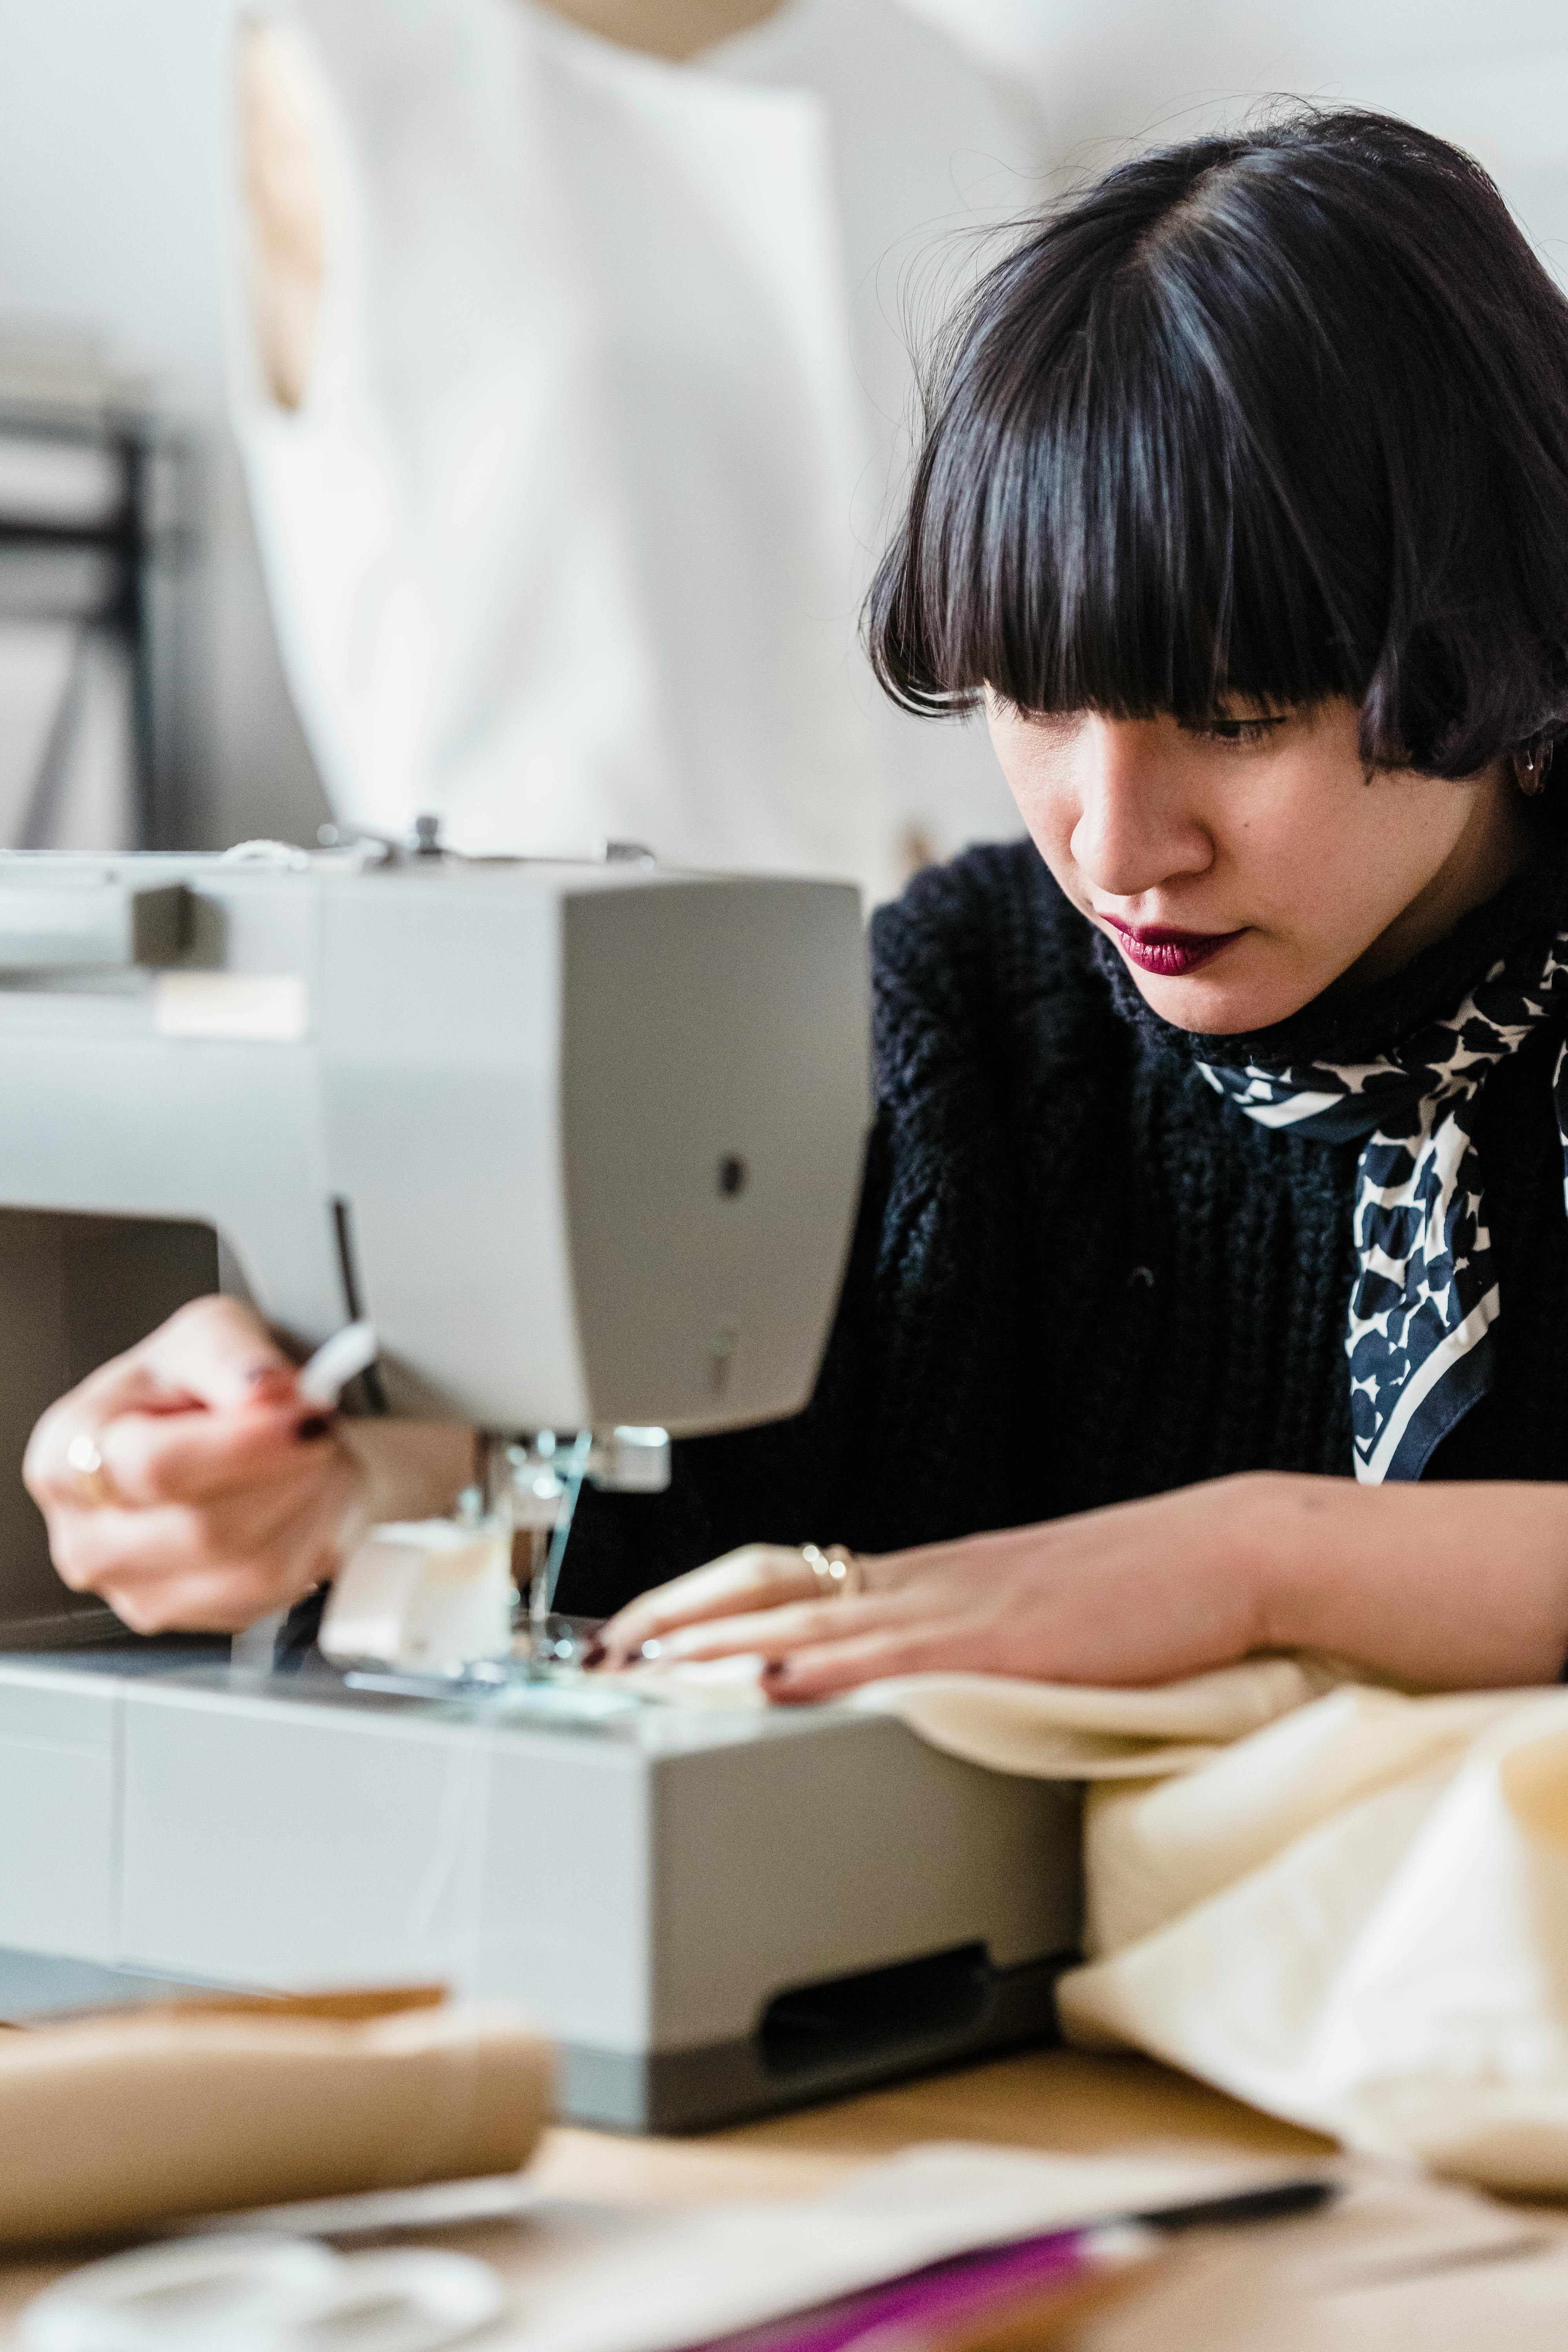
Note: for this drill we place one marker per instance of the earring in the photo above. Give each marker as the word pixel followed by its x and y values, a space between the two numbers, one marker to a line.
pixel 1529 769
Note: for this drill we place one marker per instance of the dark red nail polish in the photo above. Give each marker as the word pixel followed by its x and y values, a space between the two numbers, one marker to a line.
pixel 594 1655
pixel 317 1426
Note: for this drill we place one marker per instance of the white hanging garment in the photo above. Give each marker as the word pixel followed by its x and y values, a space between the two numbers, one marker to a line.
pixel 566 536
pixel 929 155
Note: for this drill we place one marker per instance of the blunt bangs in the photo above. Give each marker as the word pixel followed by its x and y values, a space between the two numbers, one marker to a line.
pixel 1254 422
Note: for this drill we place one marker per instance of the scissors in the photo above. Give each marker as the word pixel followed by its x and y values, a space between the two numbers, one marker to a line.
pixel 254 2294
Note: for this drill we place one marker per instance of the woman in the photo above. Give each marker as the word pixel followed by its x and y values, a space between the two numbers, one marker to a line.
pixel 1214 1245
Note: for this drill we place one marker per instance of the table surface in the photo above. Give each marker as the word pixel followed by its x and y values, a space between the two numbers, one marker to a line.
pixel 1060 2100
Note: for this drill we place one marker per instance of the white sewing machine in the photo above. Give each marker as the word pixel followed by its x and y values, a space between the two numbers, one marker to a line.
pixel 584 1142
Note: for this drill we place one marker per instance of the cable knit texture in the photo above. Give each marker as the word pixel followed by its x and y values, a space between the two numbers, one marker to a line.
pixel 1080 1275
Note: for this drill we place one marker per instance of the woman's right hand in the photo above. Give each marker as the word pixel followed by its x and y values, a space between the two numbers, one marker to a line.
pixel 222 1493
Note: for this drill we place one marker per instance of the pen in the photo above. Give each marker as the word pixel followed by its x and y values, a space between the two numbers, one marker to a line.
pixel 336 1363
pixel 928 2307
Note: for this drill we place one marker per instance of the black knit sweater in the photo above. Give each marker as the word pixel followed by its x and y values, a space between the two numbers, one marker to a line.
pixel 1080 1275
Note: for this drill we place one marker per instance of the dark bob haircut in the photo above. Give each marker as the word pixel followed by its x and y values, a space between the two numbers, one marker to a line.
pixel 1256 420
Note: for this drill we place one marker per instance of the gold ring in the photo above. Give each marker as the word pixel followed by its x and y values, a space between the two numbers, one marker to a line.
pixel 94 1486
pixel 838 1572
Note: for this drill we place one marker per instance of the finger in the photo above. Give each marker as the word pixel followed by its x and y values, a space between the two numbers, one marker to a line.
pixel 211 1600
pixel 90 1548
pixel 126 1385
pixel 200 1457
pixel 953 1646
pixel 219 1352
pixel 772 1633
pixel 144 1545
pixel 171 1567
pixel 167 1458
pixel 149 1566
pixel 755 1577
pixel 238 1355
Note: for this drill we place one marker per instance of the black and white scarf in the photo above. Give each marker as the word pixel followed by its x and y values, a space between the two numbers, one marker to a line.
pixel 1426 1295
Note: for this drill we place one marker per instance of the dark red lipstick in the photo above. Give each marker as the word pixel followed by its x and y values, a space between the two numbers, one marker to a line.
pixel 1158 948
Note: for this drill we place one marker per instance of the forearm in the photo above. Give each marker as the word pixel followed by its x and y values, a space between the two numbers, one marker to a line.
pixel 412 1469
pixel 1456 1587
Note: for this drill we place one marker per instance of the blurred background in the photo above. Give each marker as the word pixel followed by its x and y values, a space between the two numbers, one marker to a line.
pixel 465 405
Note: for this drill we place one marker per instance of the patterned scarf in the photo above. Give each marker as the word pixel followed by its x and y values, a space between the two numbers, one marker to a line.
pixel 1425 1296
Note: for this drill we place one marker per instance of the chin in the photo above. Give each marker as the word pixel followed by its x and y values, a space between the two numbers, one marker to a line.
pixel 1214 1005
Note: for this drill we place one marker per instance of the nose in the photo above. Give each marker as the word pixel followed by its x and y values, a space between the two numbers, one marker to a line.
pixel 1135 828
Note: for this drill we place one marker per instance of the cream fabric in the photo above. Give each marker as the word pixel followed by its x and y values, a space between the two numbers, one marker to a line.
pixel 1064 1731
pixel 1355 1915
pixel 1344 1903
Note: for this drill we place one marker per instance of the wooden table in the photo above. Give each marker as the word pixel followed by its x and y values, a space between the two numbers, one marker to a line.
pixel 1056 2099
pixel 1063 2100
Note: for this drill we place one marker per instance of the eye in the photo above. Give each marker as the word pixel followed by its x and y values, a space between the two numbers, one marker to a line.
pixel 1232 731
pixel 1061 726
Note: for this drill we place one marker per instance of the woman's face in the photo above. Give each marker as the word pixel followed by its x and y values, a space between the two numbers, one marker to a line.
pixel 1243 869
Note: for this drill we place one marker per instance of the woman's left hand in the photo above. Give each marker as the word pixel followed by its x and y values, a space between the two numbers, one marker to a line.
pixel 1134 1594
pixel 1460 1586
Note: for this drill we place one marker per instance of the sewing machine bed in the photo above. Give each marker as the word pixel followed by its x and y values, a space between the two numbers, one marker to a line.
pixel 714 1913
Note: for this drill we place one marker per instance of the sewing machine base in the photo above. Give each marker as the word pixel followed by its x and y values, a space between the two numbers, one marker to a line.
pixel 965 2009
pixel 712 1914
pixel 983 2011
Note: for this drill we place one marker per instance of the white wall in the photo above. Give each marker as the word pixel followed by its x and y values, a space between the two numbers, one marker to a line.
pixel 113 171
pixel 110 152
pixel 1115 74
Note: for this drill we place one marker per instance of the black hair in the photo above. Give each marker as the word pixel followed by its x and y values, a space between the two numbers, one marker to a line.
pixel 1259 419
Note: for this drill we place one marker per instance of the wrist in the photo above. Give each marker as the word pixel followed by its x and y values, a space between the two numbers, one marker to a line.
pixel 1266 1556
pixel 408 1469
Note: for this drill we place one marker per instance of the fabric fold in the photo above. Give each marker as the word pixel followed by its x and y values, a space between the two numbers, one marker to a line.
pixel 1351 1910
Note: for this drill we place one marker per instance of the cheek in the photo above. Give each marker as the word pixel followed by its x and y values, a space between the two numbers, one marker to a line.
pixel 1328 871
pixel 1045 801
pixel 1356 865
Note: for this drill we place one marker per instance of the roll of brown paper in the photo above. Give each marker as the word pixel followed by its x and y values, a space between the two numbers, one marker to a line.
pixel 116 2122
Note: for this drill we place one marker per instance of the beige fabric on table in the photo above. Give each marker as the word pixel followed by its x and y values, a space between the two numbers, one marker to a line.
pixel 112 2123
pixel 1359 1919
pixel 1354 1916
pixel 1064 1731
pixel 1343 1903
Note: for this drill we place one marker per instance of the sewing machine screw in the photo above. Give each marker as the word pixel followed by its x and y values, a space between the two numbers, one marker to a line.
pixel 733 1175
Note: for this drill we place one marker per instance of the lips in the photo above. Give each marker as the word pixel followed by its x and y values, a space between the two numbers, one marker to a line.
pixel 1158 948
